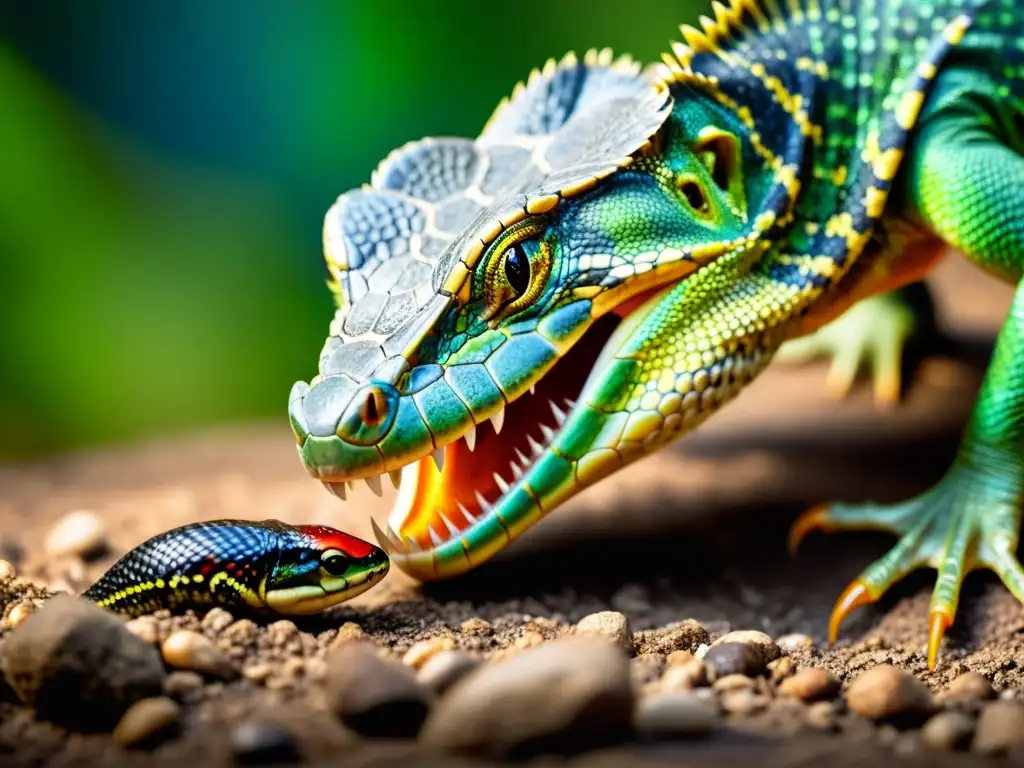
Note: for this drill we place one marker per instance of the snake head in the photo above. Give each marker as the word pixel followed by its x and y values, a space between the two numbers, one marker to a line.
pixel 320 568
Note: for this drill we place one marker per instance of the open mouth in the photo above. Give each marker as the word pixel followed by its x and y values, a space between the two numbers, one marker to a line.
pixel 443 496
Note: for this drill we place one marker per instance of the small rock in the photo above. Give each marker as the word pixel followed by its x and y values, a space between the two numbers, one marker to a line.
pixel 283 633
pixel 742 702
pixel 242 633
pixel 677 658
pixel 684 677
pixel 217 619
pixel 186 649
pixel 611 625
pixel 443 670
pixel 18 613
pixel 822 715
pixel 145 628
pixel 262 744
pixel 373 696
pixel 531 638
pixel 421 652
pixel 7 570
pixel 970 686
pixel 795 642
pixel 476 627
pixel 184 686
pixel 734 659
pixel 566 695
pixel 82 534
pixel 148 722
pixel 701 651
pixel 646 668
pixel 347 633
pixel 811 684
pixel 781 668
pixel 948 730
pixel 78 666
pixel 759 640
pixel 257 673
pixel 886 692
pixel 674 714
pixel 1000 728
pixel 681 636
pixel 733 683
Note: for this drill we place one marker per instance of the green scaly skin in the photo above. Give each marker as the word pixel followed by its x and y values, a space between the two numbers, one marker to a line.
pixel 793 159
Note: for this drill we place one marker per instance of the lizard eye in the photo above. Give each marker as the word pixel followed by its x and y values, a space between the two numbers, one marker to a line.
pixel 334 562
pixel 517 269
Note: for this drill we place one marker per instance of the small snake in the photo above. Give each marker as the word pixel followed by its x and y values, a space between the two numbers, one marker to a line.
pixel 265 566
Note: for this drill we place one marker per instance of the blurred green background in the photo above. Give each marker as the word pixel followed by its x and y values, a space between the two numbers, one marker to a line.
pixel 166 166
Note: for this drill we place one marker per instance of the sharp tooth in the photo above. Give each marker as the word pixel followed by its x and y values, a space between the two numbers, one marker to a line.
pixel 470 517
pixel 536 447
pixel 548 433
pixel 533 389
pixel 338 489
pixel 559 413
pixel 523 461
pixel 516 471
pixel 387 543
pixel 451 526
pixel 498 421
pixel 438 541
pixel 485 505
pixel 439 459
pixel 396 477
pixel 412 545
pixel 570 403
pixel 470 437
pixel 374 483
pixel 502 485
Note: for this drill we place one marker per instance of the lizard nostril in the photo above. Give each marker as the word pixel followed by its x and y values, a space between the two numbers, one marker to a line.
pixel 375 407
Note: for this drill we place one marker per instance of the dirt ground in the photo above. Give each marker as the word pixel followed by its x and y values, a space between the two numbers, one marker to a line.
pixel 695 532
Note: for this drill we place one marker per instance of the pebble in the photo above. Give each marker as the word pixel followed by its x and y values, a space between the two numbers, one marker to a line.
pixel 811 684
pixel 184 686
pixel 734 659
pixel 441 671
pixel 217 619
pixel 189 650
pixel 257 673
pixel 373 696
pixel 948 730
pixel 145 628
pixel 781 668
pixel 348 632
pixel 421 652
pixel 148 722
pixel 795 642
pixel 1000 728
pixel 685 635
pixel 683 677
pixel 742 702
pixel 611 625
pixel 674 714
pixel 970 686
pixel 476 627
pixel 78 666
pixel 759 640
pixel 81 534
pixel 7 571
pixel 822 715
pixel 566 695
pixel 678 657
pixel 733 683
pixel 19 613
pixel 885 692
pixel 255 743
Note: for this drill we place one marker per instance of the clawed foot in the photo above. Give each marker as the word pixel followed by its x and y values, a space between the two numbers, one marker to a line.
pixel 969 521
pixel 874 332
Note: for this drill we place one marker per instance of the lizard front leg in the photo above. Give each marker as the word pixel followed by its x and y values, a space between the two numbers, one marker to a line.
pixel 874 333
pixel 966 185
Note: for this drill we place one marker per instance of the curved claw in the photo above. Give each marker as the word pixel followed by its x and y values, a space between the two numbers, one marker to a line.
pixel 938 623
pixel 814 519
pixel 857 594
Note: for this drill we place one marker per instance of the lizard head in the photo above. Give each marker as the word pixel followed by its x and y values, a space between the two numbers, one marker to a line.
pixel 485 348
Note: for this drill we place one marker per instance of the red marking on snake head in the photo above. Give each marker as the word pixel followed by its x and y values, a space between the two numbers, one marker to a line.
pixel 331 538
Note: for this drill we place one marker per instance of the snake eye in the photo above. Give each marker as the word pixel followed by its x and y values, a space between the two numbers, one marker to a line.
pixel 517 269
pixel 334 562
